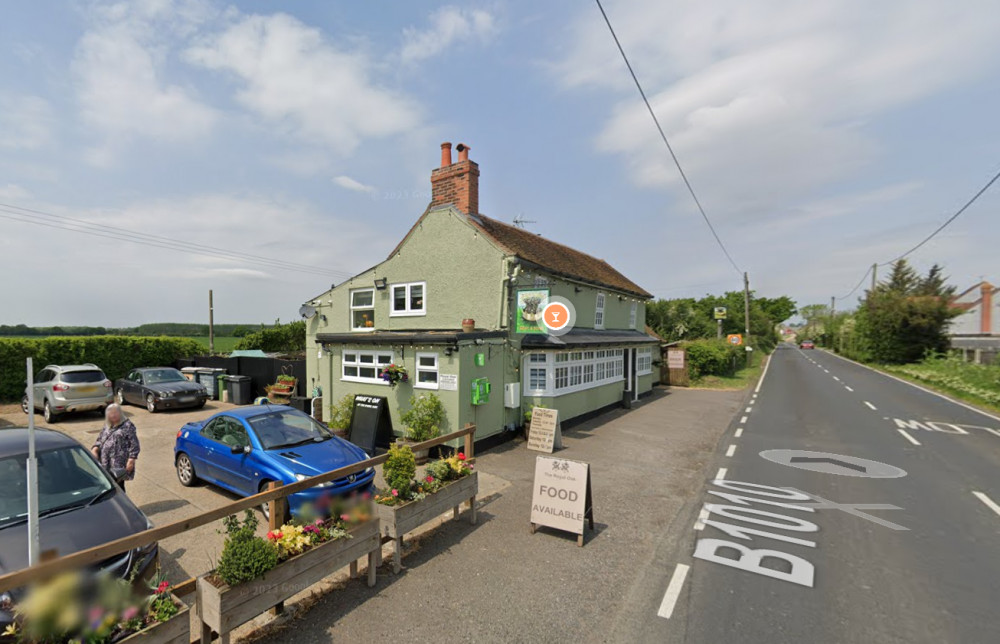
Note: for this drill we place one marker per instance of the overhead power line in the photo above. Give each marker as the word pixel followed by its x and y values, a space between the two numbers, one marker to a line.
pixel 72 224
pixel 857 286
pixel 666 142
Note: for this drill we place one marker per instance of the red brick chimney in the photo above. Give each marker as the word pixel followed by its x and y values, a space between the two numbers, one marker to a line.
pixel 986 310
pixel 456 183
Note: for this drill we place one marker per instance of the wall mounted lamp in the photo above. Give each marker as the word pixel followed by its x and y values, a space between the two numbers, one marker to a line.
pixel 577 289
pixel 380 283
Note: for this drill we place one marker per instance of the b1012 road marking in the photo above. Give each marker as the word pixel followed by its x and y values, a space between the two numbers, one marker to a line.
pixel 943 427
pixel 908 437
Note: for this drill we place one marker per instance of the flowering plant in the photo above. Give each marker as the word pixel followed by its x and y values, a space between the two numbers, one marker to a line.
pixel 452 468
pixel 394 374
pixel 292 539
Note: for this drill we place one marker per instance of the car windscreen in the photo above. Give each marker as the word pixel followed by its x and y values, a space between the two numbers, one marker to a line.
pixel 283 429
pixel 163 375
pixel 73 377
pixel 67 477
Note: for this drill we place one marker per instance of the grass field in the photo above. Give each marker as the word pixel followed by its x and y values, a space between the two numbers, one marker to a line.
pixel 979 384
pixel 742 379
pixel 223 344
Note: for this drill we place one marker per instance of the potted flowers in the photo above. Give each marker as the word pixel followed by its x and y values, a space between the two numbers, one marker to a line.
pixel 407 504
pixel 423 422
pixel 394 374
pixel 256 573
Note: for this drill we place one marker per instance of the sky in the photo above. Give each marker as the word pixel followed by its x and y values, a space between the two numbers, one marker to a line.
pixel 153 150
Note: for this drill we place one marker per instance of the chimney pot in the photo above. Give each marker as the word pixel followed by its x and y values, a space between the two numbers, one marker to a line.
pixel 446 154
pixel 463 152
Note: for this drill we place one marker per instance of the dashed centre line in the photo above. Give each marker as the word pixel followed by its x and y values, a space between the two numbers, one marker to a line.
pixel 908 437
pixel 871 406
pixel 836 378
pixel 749 409
pixel 721 474
pixel 987 501
pixel 848 388
pixel 673 591
pixel 744 419
pixel 731 451
pixel 739 432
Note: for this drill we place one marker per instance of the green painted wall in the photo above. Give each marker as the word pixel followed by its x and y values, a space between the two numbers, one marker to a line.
pixel 579 402
pixel 616 312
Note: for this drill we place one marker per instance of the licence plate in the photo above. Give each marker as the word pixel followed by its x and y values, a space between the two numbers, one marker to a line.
pixel 185 399
pixel 86 390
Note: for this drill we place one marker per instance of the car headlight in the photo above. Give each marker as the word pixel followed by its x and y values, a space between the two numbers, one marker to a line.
pixel 302 477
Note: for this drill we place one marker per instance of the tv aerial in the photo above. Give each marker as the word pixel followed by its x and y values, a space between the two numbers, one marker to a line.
pixel 520 221
pixel 307 311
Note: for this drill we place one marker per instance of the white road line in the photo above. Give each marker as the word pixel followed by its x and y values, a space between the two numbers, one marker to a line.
pixel 748 410
pixel 739 432
pixel 915 386
pixel 744 419
pixel 871 406
pixel 988 501
pixel 762 376
pixel 848 388
pixel 702 517
pixel 826 371
pixel 722 473
pixel 731 451
pixel 908 437
pixel 836 378
pixel 673 591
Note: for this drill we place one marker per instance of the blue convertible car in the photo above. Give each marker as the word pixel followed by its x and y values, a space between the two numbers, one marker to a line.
pixel 244 449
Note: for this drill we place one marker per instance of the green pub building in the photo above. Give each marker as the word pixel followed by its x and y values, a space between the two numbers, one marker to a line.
pixel 455 303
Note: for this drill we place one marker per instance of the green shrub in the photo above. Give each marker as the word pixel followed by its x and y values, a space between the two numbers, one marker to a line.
pixel 713 357
pixel 399 469
pixel 115 355
pixel 280 337
pixel 341 411
pixel 424 417
pixel 245 556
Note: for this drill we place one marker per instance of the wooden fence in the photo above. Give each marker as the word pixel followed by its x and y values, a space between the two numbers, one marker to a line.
pixel 275 496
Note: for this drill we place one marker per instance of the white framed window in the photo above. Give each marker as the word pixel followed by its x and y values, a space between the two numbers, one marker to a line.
pixel 633 313
pixel 599 312
pixel 644 361
pixel 555 373
pixel 364 366
pixel 408 299
pixel 427 371
pixel 363 309
pixel 562 377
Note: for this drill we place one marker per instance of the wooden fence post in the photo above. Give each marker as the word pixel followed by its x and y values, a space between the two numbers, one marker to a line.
pixel 469 441
pixel 275 516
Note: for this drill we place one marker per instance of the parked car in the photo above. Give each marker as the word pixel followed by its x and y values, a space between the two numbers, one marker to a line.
pixel 79 506
pixel 244 449
pixel 807 344
pixel 70 388
pixel 159 388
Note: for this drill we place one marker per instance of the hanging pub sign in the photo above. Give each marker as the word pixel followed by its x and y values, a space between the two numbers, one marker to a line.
pixel 544 433
pixel 529 310
pixel 562 498
pixel 371 425
pixel 719 313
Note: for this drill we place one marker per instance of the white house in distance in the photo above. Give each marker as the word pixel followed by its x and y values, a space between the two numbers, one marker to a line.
pixel 976 332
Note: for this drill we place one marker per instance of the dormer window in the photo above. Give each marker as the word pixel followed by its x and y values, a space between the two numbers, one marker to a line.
pixel 363 310
pixel 408 299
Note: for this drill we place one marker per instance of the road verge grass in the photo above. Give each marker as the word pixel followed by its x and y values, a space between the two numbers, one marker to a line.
pixel 743 378
pixel 972 383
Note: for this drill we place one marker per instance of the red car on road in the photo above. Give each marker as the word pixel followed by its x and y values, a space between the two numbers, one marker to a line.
pixel 807 344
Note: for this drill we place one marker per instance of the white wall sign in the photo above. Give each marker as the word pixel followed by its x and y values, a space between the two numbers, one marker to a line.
pixel 675 358
pixel 544 433
pixel 448 381
pixel 562 498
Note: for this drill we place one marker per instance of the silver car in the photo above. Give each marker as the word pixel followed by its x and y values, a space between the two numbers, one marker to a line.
pixel 63 389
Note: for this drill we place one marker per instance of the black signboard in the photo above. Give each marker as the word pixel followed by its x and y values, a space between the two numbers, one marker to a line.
pixel 370 423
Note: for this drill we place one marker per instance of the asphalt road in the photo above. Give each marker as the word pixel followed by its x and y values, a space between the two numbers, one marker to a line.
pixel 919 563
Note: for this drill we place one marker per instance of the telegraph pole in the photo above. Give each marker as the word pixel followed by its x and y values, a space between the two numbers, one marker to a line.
pixel 833 306
pixel 746 316
pixel 874 278
pixel 211 324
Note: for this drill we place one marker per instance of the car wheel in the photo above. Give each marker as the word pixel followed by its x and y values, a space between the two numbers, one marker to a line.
pixel 24 403
pixel 266 510
pixel 200 405
pixel 49 415
pixel 120 397
pixel 150 403
pixel 185 470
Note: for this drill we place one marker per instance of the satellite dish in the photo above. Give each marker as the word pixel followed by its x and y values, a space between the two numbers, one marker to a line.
pixel 307 311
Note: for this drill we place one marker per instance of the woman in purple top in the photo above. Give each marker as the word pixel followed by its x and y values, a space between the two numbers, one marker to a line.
pixel 118 445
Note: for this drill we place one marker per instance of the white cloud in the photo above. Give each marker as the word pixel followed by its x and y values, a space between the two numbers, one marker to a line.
pixel 26 122
pixel 300 83
pixel 449 26
pixel 764 102
pixel 352 184
pixel 119 67
pixel 14 192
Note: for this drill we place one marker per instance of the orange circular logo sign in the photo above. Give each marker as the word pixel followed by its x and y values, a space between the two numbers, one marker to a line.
pixel 556 316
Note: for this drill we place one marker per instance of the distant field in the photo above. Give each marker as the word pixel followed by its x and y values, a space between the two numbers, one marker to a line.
pixel 223 344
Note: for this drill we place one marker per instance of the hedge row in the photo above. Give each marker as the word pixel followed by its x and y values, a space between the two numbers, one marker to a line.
pixel 713 357
pixel 115 354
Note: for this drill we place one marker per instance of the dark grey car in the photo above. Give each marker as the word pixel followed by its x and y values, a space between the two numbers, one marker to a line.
pixel 159 388
pixel 79 506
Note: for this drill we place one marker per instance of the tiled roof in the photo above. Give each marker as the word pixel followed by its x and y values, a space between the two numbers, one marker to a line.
pixel 554 256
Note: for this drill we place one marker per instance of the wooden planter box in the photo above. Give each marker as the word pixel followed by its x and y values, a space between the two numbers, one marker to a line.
pixel 176 630
pixel 223 609
pixel 397 520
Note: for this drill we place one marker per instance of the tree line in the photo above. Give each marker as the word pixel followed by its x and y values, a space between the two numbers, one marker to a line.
pixel 172 329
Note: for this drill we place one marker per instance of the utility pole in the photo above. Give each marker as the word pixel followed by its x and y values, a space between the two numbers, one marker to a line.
pixel 829 332
pixel 874 276
pixel 211 324
pixel 746 316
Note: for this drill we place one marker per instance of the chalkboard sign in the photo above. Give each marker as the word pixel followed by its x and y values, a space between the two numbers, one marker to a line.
pixel 370 423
